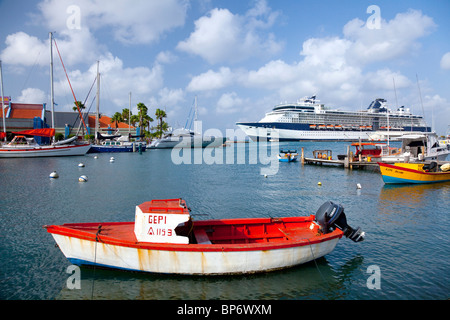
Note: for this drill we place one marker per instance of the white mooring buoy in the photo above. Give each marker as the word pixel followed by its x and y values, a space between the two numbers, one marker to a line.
pixel 358 186
pixel 83 179
pixel 81 165
pixel 54 175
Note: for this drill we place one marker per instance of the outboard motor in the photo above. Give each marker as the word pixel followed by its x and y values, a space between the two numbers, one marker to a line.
pixel 331 216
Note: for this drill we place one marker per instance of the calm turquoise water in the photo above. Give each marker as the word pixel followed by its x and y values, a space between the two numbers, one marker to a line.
pixel 407 226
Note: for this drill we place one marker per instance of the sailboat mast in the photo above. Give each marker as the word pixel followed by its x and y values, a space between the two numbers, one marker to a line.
pixel 52 102
pixel 98 100
pixel 129 114
pixel 3 100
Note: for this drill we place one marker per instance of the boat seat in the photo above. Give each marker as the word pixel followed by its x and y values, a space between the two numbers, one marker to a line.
pixel 201 237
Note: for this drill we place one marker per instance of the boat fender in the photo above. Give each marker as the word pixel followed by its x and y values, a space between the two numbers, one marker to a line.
pixel 445 167
pixel 331 216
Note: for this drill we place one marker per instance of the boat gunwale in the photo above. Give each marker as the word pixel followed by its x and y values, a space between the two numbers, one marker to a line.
pixel 391 166
pixel 74 230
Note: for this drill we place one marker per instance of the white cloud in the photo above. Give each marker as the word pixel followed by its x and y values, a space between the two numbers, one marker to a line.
pixel 335 68
pixel 445 61
pixel 32 95
pixel 116 82
pixel 136 22
pixel 229 103
pixel 23 49
pixel 393 39
pixel 212 80
pixel 222 36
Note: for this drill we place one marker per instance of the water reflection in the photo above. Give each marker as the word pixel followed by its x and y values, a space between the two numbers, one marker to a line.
pixel 295 283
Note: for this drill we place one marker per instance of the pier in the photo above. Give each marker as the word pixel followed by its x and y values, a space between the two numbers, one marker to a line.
pixel 321 157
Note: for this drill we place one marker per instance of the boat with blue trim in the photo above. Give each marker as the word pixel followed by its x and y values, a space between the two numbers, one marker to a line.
pixel 414 172
pixel 307 119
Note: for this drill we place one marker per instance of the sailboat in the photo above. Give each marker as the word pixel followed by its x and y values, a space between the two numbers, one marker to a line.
pixel 113 142
pixel 185 138
pixel 24 146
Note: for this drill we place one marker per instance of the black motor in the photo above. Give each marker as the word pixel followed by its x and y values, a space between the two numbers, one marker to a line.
pixel 331 215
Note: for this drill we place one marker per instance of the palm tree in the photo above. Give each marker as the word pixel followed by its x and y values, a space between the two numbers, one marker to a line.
pixel 134 119
pixel 117 117
pixel 160 114
pixel 126 113
pixel 142 113
pixel 80 105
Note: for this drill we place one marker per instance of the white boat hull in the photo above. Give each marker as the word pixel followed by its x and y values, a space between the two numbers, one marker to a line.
pixel 86 252
pixel 187 142
pixel 285 135
pixel 44 151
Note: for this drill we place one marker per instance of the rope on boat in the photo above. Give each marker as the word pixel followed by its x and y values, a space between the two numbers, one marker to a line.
pixel 95 258
pixel 314 259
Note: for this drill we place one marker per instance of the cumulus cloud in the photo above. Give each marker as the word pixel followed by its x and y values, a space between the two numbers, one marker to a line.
pixel 212 80
pixel 23 49
pixel 32 95
pixel 393 39
pixel 136 22
pixel 445 61
pixel 229 103
pixel 222 36
pixel 116 82
pixel 336 68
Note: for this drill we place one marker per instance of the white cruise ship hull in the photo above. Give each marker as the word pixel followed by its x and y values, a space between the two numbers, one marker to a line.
pixel 256 133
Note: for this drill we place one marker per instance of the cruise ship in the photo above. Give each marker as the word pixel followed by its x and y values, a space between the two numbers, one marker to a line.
pixel 307 119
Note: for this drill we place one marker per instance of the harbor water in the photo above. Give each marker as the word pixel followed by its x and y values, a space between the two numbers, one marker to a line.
pixel 404 256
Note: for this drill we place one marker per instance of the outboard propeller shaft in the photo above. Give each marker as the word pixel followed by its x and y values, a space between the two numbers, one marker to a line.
pixel 331 216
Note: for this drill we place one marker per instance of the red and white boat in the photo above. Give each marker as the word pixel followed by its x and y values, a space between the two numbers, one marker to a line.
pixel 164 239
pixel 25 147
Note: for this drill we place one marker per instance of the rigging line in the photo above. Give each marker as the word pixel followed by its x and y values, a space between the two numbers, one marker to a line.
pixel 421 102
pixel 32 70
pixel 86 116
pixel 73 93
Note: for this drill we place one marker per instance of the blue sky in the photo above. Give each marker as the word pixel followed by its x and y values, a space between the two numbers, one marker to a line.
pixel 239 58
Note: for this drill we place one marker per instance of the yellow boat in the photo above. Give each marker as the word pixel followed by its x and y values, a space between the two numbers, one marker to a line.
pixel 413 173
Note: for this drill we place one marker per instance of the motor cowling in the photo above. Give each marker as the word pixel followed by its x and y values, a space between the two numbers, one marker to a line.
pixel 331 216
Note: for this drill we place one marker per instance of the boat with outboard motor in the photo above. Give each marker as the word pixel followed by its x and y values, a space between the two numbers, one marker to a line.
pixel 414 172
pixel 164 239
pixel 287 155
pixel 307 119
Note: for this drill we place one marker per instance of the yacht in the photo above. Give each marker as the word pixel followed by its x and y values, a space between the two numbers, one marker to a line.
pixel 184 138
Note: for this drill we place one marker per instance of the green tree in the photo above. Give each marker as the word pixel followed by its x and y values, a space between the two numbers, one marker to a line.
pixel 160 115
pixel 117 117
pixel 134 119
pixel 142 113
pixel 80 104
pixel 146 122
pixel 126 113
